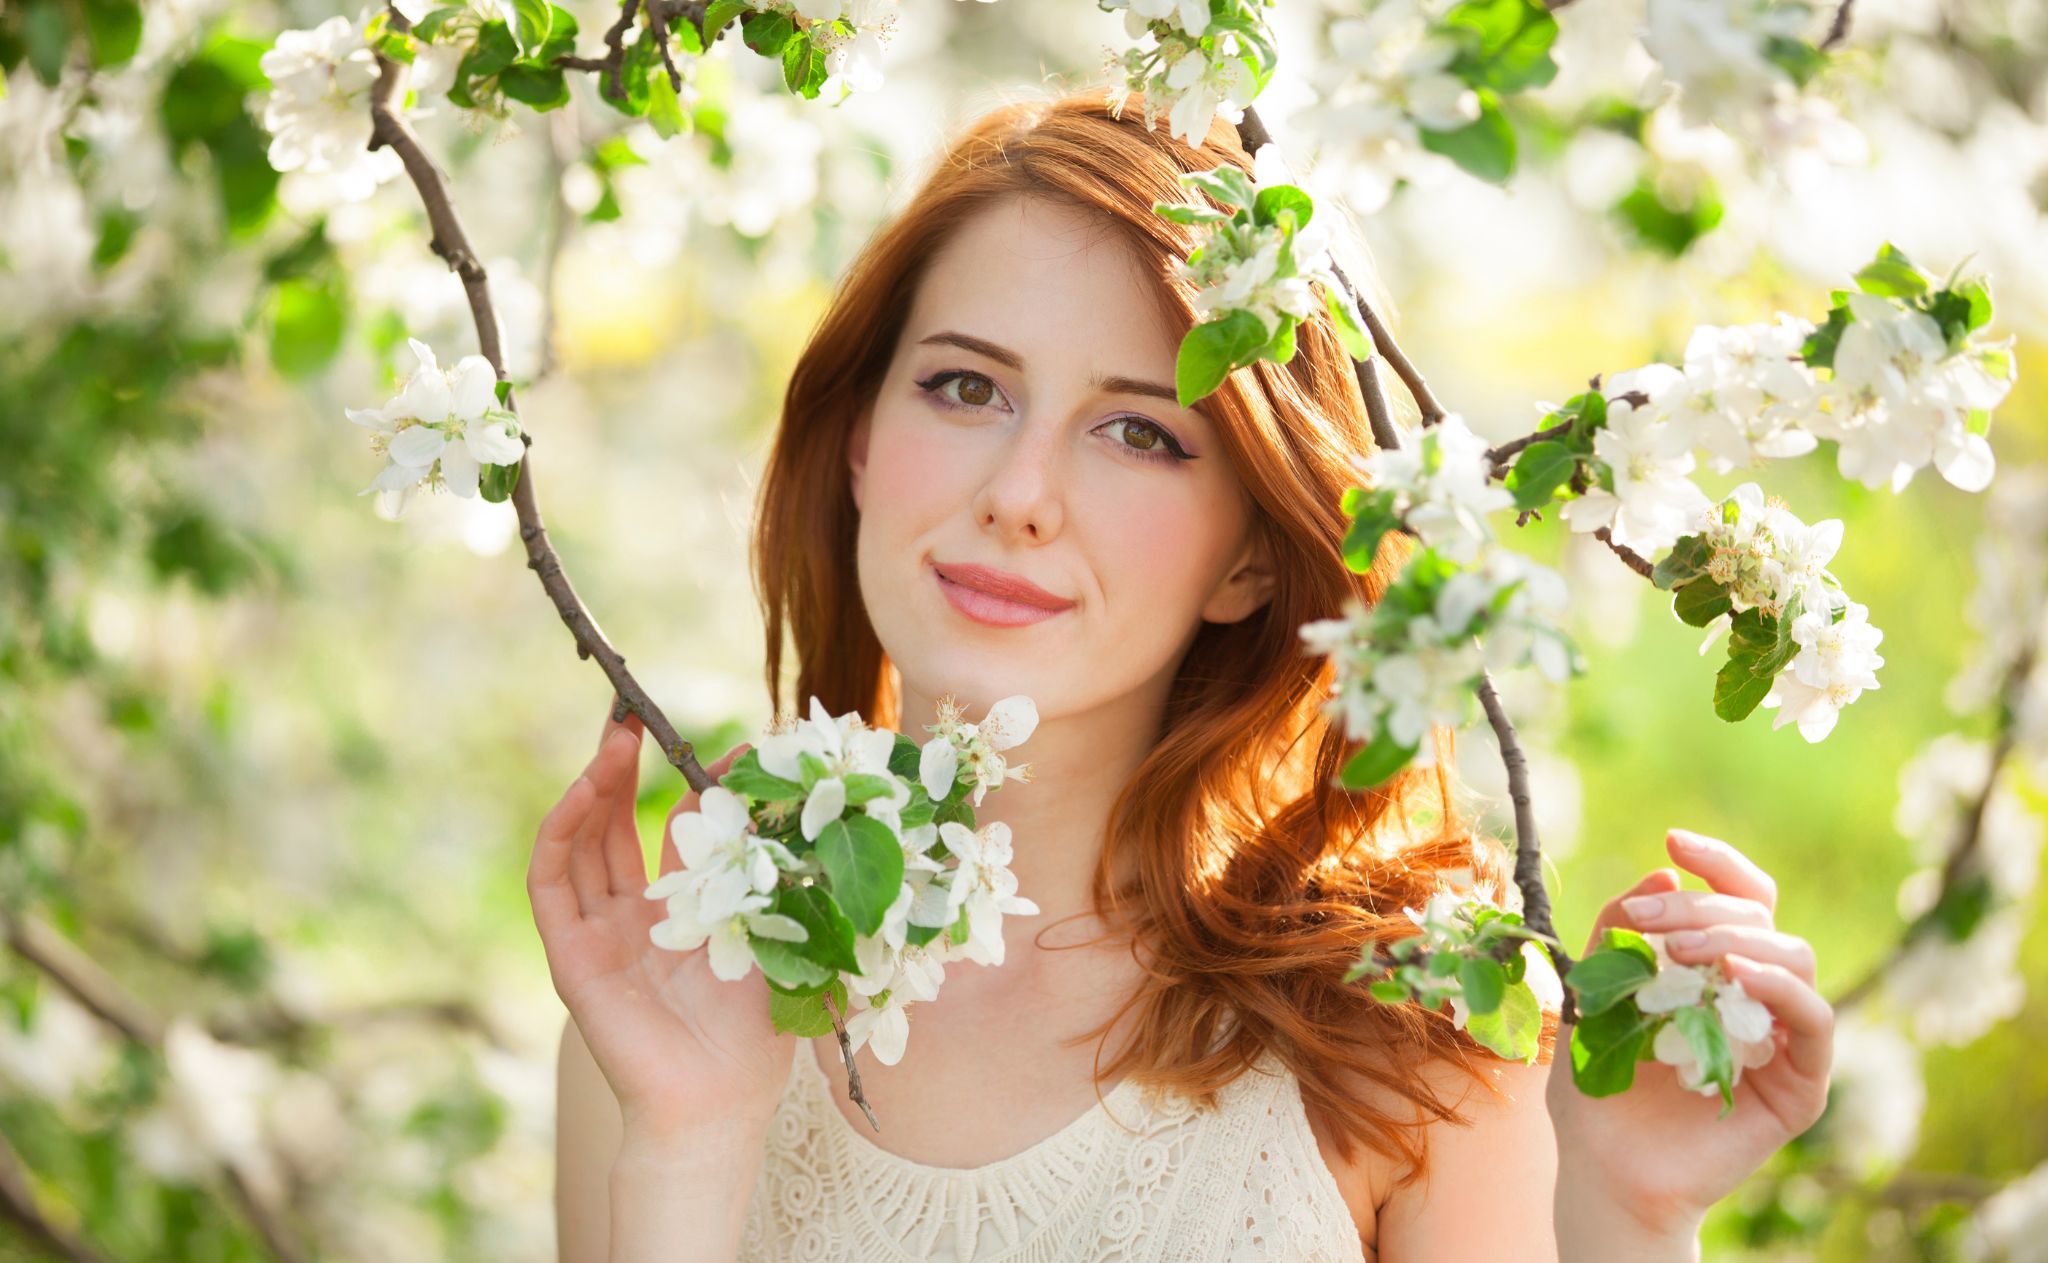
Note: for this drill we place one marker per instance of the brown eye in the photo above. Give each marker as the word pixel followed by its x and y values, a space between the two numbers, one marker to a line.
pixel 976 390
pixel 1137 431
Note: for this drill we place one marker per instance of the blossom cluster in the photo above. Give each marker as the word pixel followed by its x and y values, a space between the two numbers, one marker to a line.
pixel 1894 377
pixel 1463 605
pixel 1480 959
pixel 1796 642
pixel 1412 85
pixel 444 429
pixel 844 859
pixel 1734 62
pixel 1636 1003
pixel 1255 270
pixel 318 108
pixel 1202 61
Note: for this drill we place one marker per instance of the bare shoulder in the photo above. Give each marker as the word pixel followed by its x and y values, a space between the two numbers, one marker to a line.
pixel 1461 1199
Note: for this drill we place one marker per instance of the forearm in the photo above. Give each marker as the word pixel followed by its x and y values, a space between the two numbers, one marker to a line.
pixel 683 1198
pixel 1593 1228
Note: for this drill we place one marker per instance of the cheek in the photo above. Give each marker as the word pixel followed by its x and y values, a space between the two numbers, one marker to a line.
pixel 1162 543
pixel 910 471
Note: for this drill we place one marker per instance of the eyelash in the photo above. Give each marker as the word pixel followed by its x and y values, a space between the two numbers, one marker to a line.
pixel 1172 452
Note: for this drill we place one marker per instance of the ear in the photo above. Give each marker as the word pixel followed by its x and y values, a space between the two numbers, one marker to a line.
pixel 1248 585
pixel 857 452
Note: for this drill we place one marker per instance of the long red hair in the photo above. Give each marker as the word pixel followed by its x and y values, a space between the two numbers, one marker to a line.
pixel 1258 878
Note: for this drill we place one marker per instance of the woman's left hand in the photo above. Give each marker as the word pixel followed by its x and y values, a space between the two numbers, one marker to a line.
pixel 1655 1157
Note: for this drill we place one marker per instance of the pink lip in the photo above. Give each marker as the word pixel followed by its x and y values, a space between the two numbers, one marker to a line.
pixel 997 597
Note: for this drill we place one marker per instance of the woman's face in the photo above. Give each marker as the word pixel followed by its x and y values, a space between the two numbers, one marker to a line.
pixel 1027 426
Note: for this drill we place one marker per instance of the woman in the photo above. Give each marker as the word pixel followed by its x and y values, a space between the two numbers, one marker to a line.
pixel 983 486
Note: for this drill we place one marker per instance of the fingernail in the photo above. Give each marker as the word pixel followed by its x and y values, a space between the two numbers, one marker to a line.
pixel 1685 938
pixel 1643 907
pixel 1686 840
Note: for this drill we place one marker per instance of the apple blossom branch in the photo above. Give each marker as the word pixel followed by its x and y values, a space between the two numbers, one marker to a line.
pixel 451 242
pixel 1969 829
pixel 100 994
pixel 1536 911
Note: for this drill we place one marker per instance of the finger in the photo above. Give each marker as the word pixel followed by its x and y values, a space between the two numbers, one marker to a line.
pixel 1722 866
pixel 555 903
pixel 624 861
pixel 1809 1020
pixel 1655 882
pixel 1692 909
pixel 1773 947
pixel 588 871
pixel 670 860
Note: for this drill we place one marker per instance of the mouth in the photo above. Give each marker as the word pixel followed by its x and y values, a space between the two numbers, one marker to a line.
pixel 995 598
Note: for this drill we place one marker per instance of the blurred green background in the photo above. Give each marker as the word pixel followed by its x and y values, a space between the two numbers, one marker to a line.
pixel 271 763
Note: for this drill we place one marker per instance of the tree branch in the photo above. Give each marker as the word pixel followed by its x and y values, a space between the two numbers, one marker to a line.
pixel 388 127
pixel 1969 830
pixel 103 996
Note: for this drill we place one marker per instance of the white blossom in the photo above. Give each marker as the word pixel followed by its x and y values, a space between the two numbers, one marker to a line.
pixel 724 860
pixel 2011 1226
pixel 1745 391
pixel 730 934
pixel 1653 501
pixel 1876 1097
pixel 318 110
pixel 441 429
pixel 1899 400
pixel 846 747
pixel 1387 79
pixel 975 749
pixel 1953 992
pixel 1836 662
pixel 982 883
pixel 1443 487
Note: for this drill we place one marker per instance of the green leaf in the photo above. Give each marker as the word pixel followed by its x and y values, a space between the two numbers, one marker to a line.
pixel 1181 213
pixel 1539 471
pixel 1362 540
pixel 785 963
pixel 1514 1029
pixel 1686 560
pixel 1606 977
pixel 1485 981
pixel 430 25
pixel 1484 147
pixel 1891 275
pixel 1276 199
pixel 717 14
pixel 1622 939
pixel 113 31
pixel 1506 44
pixel 531 20
pixel 747 778
pixel 1701 602
pixel 1606 1047
pixel 1701 1026
pixel 1666 227
pixel 864 864
pixel 801 1015
pixel 919 935
pixel 1799 60
pixel 1819 348
pixel 766 33
pixel 1738 690
pixel 1225 183
pixel 1357 342
pixel 1389 991
pixel 543 89
pixel 831 940
pixel 1378 760
pixel 497 482
pixel 307 319
pixel 46 36
pixel 1211 349
pixel 664 107
pixel 864 786
pixel 803 66
pixel 811 768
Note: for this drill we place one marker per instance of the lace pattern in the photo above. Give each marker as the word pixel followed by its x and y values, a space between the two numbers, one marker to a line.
pixel 1144 1176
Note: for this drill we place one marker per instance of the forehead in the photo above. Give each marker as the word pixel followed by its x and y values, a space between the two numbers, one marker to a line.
pixel 1053 282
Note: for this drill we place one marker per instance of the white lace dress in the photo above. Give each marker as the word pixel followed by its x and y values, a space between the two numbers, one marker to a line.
pixel 1144 1175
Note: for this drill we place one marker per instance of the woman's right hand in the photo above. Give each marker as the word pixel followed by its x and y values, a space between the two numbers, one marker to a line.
pixel 681 1048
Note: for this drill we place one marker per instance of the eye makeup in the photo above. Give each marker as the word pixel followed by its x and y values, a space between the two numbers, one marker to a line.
pixel 977 390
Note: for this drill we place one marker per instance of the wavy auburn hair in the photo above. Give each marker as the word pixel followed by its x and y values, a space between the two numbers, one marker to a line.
pixel 1258 878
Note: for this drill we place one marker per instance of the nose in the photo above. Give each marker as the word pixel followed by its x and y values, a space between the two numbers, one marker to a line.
pixel 1021 498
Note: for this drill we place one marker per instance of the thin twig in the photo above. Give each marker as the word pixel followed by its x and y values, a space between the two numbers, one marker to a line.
pixel 853 1091
pixel 1838 30
pixel 102 995
pixel 18 1206
pixel 1528 849
pixel 451 242
pixel 1969 830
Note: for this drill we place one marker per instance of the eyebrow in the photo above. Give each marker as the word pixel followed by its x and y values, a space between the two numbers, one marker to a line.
pixel 1010 359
